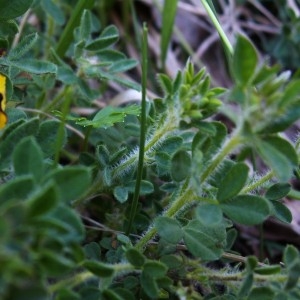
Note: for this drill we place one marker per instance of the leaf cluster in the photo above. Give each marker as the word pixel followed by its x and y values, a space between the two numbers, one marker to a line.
pixel 67 181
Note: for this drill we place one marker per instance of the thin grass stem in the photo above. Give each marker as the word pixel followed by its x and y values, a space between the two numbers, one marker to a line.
pixel 142 130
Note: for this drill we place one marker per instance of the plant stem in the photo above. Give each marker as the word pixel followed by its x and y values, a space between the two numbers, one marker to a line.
pixel 84 276
pixel 231 144
pixel 142 130
pixel 174 208
pixel 218 27
pixel 71 282
pixel 258 183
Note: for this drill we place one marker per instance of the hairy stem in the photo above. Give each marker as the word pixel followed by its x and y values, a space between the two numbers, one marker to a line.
pixel 175 207
pixel 258 183
pixel 229 146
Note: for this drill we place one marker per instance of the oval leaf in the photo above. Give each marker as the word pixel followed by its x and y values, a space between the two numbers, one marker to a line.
pixel 206 242
pixel 71 182
pixel 13 8
pixel 278 191
pixel 169 229
pixel 35 66
pixel 33 164
pixel 244 61
pixel 247 209
pixel 281 165
pixel 233 182
pixel 180 165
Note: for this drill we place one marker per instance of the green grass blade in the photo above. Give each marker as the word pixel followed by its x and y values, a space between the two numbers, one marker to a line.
pixel 142 130
pixel 208 5
pixel 168 18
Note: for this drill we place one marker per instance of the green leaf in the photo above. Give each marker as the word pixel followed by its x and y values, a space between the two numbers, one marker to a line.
pixel 54 11
pixel 71 182
pixel 35 66
pixel 285 147
pixel 172 261
pixel 47 136
pixel 149 285
pixel 121 193
pixel 108 37
pixel 246 209
pixel 165 83
pixel 281 212
pixel 28 159
pixel 246 286
pixel 110 55
pixel 107 176
pixel 244 61
pixel 155 269
pixel 111 295
pixel 181 164
pixel 261 293
pixel 18 189
pixel 135 257
pixel 23 46
pixel 55 264
pixel 162 160
pixel 251 263
pixel 171 144
pixel 168 18
pixel 68 224
pixel 85 24
pixel 109 115
pixel 268 270
pixel 231 238
pixel 286 118
pixel 92 251
pixel 122 65
pixel 206 128
pixel 15 114
pixel 293 276
pixel 146 187
pixel 98 268
pixel 281 165
pixel 290 255
pixel 66 37
pixel 278 191
pixel 33 290
pixel 209 214
pixel 44 201
pixel 206 242
pixel 13 8
pixel 169 229
pixel 291 93
pixel 233 182
pixel 13 137
pixel 102 155
pixel 216 141
pixel 124 293
pixel 66 294
pixel 66 75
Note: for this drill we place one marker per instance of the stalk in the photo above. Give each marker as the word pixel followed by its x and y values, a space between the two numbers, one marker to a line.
pixel 218 26
pixel 142 130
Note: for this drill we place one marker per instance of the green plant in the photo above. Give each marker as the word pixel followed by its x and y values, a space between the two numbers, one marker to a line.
pixel 69 229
